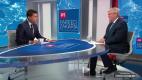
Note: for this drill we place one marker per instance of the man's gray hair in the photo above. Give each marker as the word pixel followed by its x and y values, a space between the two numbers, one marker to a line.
pixel 114 10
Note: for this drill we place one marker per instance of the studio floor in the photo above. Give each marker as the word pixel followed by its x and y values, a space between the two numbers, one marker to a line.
pixel 72 70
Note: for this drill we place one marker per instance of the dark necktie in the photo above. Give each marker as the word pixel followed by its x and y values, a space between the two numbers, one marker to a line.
pixel 32 29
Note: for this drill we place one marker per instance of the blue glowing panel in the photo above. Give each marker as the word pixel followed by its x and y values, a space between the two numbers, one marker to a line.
pixel 12 12
pixel 132 12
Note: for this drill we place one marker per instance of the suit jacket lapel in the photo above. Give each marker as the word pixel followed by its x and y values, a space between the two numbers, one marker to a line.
pixel 107 30
pixel 27 24
pixel 28 27
pixel 113 28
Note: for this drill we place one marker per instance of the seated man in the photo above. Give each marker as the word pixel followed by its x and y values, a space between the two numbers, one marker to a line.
pixel 27 31
pixel 115 38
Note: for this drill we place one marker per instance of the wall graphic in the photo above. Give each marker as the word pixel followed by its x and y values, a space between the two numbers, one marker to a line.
pixel 132 12
pixel 68 19
pixel 12 12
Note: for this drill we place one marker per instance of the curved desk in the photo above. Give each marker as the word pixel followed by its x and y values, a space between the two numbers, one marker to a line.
pixel 52 52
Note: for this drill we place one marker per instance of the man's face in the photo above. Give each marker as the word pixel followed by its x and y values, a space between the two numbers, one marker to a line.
pixel 112 16
pixel 33 18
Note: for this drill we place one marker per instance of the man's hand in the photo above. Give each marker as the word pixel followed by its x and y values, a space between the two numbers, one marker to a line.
pixel 51 40
pixel 33 41
pixel 102 40
pixel 36 41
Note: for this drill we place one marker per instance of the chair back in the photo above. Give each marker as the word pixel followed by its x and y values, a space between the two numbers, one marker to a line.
pixel 121 58
pixel 11 38
pixel 130 40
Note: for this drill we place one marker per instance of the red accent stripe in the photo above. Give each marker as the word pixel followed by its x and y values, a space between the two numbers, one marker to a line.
pixel 114 3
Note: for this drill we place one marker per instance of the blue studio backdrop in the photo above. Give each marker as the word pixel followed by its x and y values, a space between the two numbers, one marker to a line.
pixel 12 12
pixel 68 19
pixel 131 10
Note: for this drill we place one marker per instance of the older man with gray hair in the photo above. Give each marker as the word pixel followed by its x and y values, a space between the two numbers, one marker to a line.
pixel 115 40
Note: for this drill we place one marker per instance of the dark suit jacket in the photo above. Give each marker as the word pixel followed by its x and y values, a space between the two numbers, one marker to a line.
pixel 24 34
pixel 116 38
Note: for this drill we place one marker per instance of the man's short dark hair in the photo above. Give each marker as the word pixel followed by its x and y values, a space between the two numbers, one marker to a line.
pixel 30 12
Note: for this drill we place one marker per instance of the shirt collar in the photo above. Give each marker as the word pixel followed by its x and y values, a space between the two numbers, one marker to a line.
pixel 29 23
pixel 115 20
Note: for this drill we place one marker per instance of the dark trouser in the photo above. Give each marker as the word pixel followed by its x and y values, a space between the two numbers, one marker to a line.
pixel 106 61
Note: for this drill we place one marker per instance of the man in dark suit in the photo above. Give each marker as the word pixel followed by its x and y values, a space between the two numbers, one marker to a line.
pixel 27 31
pixel 115 39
